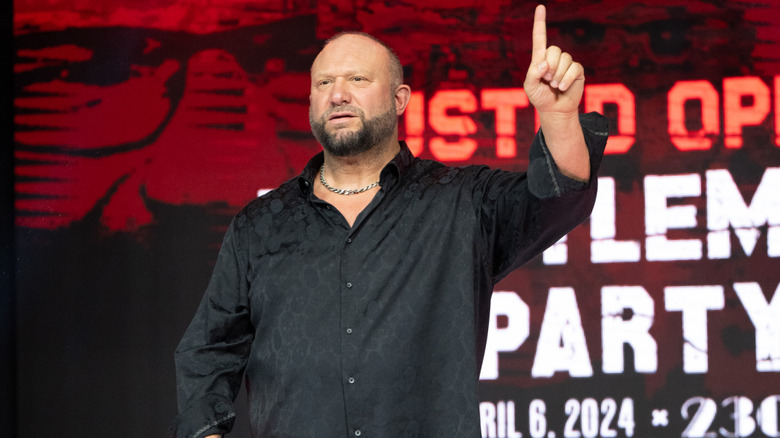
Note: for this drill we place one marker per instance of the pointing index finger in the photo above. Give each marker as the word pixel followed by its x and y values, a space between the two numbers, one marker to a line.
pixel 539 35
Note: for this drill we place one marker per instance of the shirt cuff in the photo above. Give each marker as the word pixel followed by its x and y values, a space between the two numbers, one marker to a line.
pixel 544 178
pixel 210 415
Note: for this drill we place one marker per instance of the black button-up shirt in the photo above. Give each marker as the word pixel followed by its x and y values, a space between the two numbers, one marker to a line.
pixel 375 330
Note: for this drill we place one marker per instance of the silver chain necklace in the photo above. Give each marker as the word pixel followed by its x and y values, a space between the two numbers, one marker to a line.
pixel 344 191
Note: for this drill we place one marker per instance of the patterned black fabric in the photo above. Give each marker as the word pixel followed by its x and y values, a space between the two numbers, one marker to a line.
pixel 377 330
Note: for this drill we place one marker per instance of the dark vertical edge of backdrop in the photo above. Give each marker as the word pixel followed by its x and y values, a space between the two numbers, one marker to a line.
pixel 7 263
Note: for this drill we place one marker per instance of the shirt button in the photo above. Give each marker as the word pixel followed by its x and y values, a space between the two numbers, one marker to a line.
pixel 349 331
pixel 306 183
pixel 358 432
pixel 351 380
pixel 349 285
pixel 349 240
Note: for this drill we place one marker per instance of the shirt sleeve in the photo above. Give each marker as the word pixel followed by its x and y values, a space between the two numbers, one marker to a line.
pixel 521 214
pixel 212 355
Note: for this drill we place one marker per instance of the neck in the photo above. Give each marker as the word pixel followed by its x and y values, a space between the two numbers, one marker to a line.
pixel 359 170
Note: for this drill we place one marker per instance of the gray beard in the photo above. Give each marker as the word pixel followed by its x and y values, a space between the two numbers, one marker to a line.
pixel 373 132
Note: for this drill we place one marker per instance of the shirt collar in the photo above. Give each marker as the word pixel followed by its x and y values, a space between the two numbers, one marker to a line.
pixel 312 169
pixel 391 173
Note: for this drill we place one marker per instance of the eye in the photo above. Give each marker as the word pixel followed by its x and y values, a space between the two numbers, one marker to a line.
pixel 324 82
pixel 358 79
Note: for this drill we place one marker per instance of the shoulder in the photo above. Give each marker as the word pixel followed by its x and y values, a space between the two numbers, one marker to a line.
pixel 432 173
pixel 272 206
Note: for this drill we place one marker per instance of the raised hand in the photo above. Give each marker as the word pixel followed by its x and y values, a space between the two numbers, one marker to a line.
pixel 554 85
pixel 554 82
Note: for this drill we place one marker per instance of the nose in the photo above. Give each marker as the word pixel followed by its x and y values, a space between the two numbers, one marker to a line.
pixel 339 93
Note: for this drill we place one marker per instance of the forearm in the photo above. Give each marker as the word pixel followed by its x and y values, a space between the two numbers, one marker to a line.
pixel 566 143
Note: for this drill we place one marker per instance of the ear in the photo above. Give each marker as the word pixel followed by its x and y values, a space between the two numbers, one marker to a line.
pixel 402 96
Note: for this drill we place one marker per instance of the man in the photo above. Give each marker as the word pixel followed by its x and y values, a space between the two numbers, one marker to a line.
pixel 355 297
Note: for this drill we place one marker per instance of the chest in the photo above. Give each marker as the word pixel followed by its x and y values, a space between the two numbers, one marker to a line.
pixel 303 259
pixel 350 206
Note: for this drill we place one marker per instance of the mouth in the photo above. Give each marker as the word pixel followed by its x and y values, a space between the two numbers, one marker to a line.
pixel 340 116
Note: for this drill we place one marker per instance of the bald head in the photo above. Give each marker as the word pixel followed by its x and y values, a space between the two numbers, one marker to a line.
pixel 393 63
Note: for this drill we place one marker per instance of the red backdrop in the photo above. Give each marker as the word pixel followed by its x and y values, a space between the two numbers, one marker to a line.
pixel 140 127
